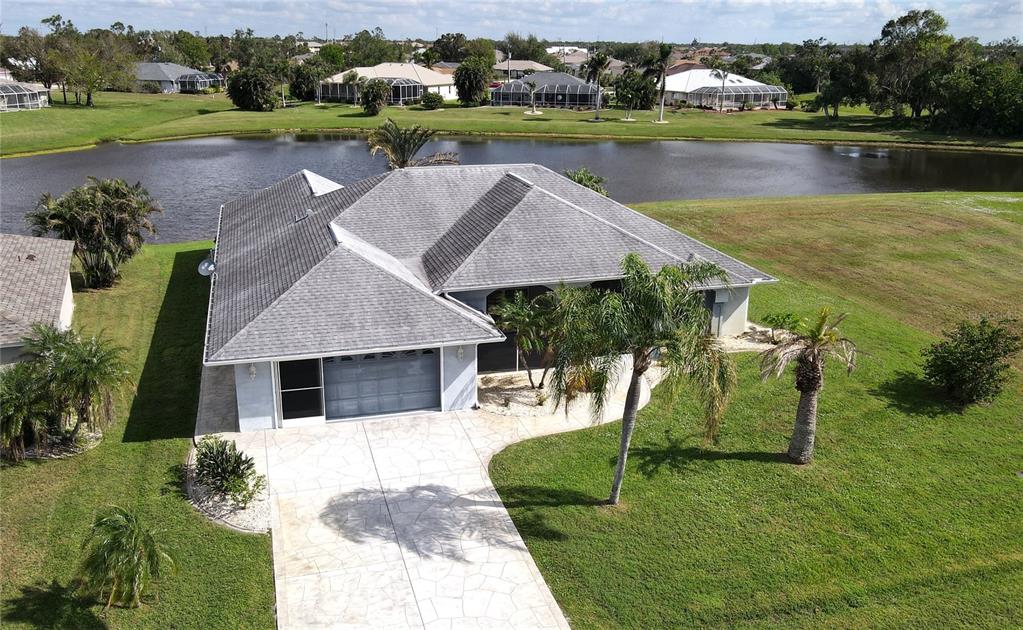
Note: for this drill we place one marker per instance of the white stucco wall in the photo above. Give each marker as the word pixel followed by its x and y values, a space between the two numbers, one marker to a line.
pixel 458 378
pixel 729 316
pixel 67 306
pixel 447 91
pixel 256 396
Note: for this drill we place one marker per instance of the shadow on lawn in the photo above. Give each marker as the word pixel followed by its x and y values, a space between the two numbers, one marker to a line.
pixel 51 605
pixel 168 390
pixel 910 394
pixel 675 457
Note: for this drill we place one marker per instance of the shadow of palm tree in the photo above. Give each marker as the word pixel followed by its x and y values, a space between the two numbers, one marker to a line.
pixel 908 393
pixel 42 605
pixel 675 457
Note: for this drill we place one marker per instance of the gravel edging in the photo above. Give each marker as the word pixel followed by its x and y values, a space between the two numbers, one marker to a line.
pixel 255 519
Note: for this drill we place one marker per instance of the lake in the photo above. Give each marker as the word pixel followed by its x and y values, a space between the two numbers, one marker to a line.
pixel 191 178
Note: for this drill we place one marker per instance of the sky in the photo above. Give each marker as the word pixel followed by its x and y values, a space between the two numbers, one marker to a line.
pixel 739 21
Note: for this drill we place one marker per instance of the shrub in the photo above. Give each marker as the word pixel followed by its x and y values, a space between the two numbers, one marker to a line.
pixel 970 364
pixel 471 78
pixel 432 100
pixel 810 106
pixel 149 87
pixel 220 466
pixel 791 103
pixel 252 89
pixel 208 90
pixel 584 177
pixel 781 321
pixel 373 96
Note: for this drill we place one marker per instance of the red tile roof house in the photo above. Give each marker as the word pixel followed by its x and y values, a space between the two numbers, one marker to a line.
pixel 35 288
pixel 333 302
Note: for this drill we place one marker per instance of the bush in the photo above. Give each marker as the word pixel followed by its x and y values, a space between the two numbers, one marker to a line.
pixel 208 90
pixel 220 466
pixel 252 89
pixel 970 364
pixel 781 321
pixel 373 96
pixel 432 100
pixel 810 106
pixel 149 87
pixel 791 103
pixel 471 78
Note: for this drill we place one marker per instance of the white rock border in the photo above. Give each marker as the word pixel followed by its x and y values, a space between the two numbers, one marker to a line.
pixel 255 519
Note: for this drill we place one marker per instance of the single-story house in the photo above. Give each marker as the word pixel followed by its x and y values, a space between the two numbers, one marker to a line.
pixel 15 95
pixel 36 289
pixel 331 302
pixel 577 60
pixel 553 89
pixel 408 81
pixel 446 67
pixel 517 68
pixel 704 87
pixel 172 77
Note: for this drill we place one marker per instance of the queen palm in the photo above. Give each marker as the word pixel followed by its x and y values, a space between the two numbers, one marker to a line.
pixel 83 373
pixel 25 408
pixel 401 145
pixel 531 321
pixel 122 558
pixel 655 316
pixel 656 67
pixel 809 347
pixel 596 66
pixel 531 86
pixel 720 73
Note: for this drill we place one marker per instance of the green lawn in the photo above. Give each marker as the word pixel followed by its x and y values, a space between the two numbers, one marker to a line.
pixel 137 117
pixel 225 579
pixel 911 514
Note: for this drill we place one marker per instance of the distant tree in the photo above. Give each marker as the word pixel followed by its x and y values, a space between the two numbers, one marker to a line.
pixel 306 77
pixel 105 218
pixel 373 96
pixel 849 80
pixel 482 48
pixel 584 177
pixel 450 47
pixel 656 67
pixel 808 347
pixel 427 58
pixel 526 47
pixel 93 62
pixel 333 55
pixel 194 50
pixel 971 363
pixel 909 54
pixel 401 145
pixel 252 89
pixel 595 68
pixel 367 48
pixel 634 90
pixel 122 558
pixel 471 79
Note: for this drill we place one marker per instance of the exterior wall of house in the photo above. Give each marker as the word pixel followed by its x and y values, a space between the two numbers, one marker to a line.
pixel 257 396
pixel 458 377
pixel 729 312
pixel 447 91
pixel 67 306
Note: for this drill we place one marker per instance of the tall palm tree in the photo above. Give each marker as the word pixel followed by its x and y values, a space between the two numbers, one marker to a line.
pixel 809 347
pixel 656 315
pixel 531 85
pixel 83 373
pixel 401 145
pixel 596 67
pixel 656 67
pixel 122 558
pixel 25 408
pixel 720 73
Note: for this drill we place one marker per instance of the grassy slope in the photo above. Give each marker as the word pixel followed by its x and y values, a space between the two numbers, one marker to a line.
pixel 911 515
pixel 225 578
pixel 149 117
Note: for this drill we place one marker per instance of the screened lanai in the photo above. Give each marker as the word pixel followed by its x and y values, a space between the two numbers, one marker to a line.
pixel 14 96
pixel 403 91
pixel 553 89
pixel 199 81
pixel 735 95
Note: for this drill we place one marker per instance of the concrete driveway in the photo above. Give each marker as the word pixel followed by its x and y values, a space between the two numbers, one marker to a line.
pixel 393 523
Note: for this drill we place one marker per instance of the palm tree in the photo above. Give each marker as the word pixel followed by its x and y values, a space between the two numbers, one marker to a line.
pixel 401 145
pixel 122 558
pixel 83 373
pixel 25 408
pixel 809 347
pixel 532 95
pixel 105 218
pixel 720 73
pixel 656 67
pixel 656 315
pixel 531 322
pixel 596 66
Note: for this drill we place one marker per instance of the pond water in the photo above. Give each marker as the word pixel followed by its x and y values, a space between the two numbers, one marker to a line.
pixel 191 178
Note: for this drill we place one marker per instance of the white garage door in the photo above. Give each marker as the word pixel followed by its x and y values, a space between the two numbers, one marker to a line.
pixel 384 382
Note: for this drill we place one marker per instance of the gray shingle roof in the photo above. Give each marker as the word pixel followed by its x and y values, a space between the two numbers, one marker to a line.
pixel 161 71
pixel 33 278
pixel 304 269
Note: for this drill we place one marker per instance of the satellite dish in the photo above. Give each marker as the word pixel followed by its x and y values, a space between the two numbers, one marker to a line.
pixel 207 267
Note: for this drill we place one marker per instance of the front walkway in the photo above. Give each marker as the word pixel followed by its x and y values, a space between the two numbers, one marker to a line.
pixel 394 523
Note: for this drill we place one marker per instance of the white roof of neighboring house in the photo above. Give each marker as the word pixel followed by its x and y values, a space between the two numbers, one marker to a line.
pixel 692 80
pixel 161 71
pixel 520 65
pixel 396 71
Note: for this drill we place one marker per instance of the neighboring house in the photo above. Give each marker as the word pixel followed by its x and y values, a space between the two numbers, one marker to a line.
pixel 704 87
pixel 172 77
pixel 576 60
pixel 408 81
pixel 331 302
pixel 35 288
pixel 553 89
pixel 517 68
pixel 16 96
pixel 446 67
pixel 684 65
pixel 559 51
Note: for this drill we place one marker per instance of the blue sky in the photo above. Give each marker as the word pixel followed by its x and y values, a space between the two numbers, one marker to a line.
pixel 746 21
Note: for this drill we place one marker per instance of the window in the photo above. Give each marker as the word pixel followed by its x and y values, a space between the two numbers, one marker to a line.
pixel 301 389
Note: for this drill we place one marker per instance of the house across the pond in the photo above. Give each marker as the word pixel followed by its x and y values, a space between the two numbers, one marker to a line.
pixel 331 302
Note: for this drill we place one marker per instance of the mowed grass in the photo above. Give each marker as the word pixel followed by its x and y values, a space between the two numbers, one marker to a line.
pixel 911 514
pixel 140 117
pixel 225 579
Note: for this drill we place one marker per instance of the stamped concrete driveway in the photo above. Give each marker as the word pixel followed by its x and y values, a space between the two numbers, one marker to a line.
pixel 394 523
